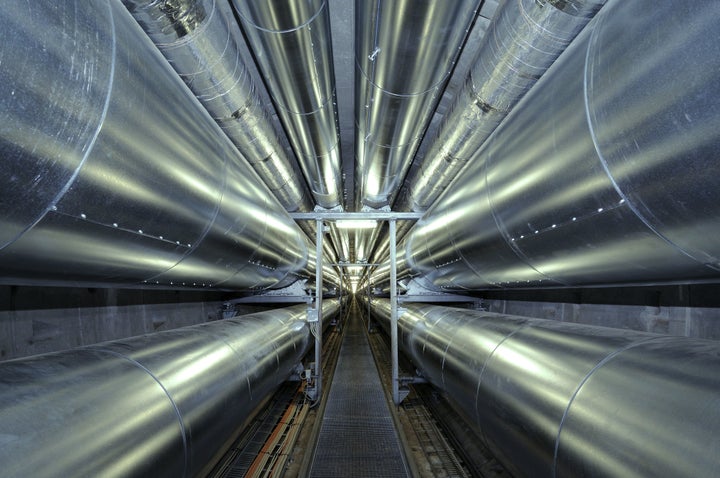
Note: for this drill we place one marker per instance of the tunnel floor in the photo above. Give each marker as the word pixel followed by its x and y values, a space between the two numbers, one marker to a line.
pixel 356 431
pixel 357 436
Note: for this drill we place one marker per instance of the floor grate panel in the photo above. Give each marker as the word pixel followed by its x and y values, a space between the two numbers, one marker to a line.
pixel 357 437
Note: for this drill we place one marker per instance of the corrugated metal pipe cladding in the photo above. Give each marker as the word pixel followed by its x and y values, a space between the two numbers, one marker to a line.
pixel 559 399
pixel 165 404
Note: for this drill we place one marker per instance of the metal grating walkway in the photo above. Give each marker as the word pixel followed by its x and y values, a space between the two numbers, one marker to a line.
pixel 357 438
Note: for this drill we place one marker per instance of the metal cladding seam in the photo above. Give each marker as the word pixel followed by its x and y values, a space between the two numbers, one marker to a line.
pixel 163 404
pixel 397 88
pixel 201 41
pixel 399 84
pixel 523 40
pixel 292 46
pixel 559 399
pixel 114 173
pixel 600 174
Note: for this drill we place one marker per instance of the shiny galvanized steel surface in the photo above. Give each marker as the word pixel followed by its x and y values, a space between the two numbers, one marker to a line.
pixel 559 399
pixel 165 404
pixel 523 40
pixel 601 173
pixel 292 45
pixel 202 43
pixel 399 84
pixel 114 173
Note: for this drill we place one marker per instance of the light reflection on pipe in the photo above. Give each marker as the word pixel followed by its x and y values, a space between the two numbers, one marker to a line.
pixel 597 177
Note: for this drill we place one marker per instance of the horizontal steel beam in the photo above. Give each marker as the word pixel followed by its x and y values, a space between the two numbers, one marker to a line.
pixel 356 216
pixel 355 264
pixel 438 298
pixel 272 299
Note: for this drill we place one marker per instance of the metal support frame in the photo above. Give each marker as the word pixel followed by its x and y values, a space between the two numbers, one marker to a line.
pixel 340 297
pixel 355 216
pixel 391 217
pixel 295 293
pixel 414 292
pixel 394 313
pixel 367 291
pixel 319 234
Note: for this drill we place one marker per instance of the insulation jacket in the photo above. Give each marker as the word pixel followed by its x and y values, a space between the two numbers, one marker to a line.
pixel 559 399
pixel 202 43
pixel 398 85
pixel 293 49
pixel 600 175
pixel 523 40
pixel 164 404
pixel 113 173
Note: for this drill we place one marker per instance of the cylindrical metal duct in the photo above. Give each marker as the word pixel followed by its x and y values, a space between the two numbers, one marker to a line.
pixel 559 399
pixel 201 41
pixel 165 404
pixel 523 40
pixel 292 45
pixel 600 175
pixel 404 52
pixel 113 173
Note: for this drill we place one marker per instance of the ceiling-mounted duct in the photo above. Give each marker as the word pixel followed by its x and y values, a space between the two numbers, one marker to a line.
pixel 292 46
pixel 404 53
pixel 523 40
pixel 601 174
pixel 113 173
pixel 202 43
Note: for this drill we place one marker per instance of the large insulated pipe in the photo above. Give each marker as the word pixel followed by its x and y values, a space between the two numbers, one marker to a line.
pixel 397 91
pixel 404 54
pixel 602 173
pixel 113 173
pixel 292 46
pixel 522 41
pixel 165 404
pixel 202 43
pixel 559 399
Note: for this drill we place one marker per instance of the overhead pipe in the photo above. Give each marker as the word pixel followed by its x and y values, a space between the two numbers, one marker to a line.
pixel 164 404
pixel 293 48
pixel 397 91
pixel 404 53
pixel 600 174
pixel 522 41
pixel 202 43
pixel 114 173
pixel 560 399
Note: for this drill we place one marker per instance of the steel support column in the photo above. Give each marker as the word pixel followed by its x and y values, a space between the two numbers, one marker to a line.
pixel 369 302
pixel 318 305
pixel 394 312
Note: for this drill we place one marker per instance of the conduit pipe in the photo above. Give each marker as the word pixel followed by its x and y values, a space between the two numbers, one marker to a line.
pixel 201 41
pixel 523 40
pixel 397 91
pixel 292 46
pixel 113 173
pixel 164 404
pixel 404 53
pixel 560 399
pixel 600 175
